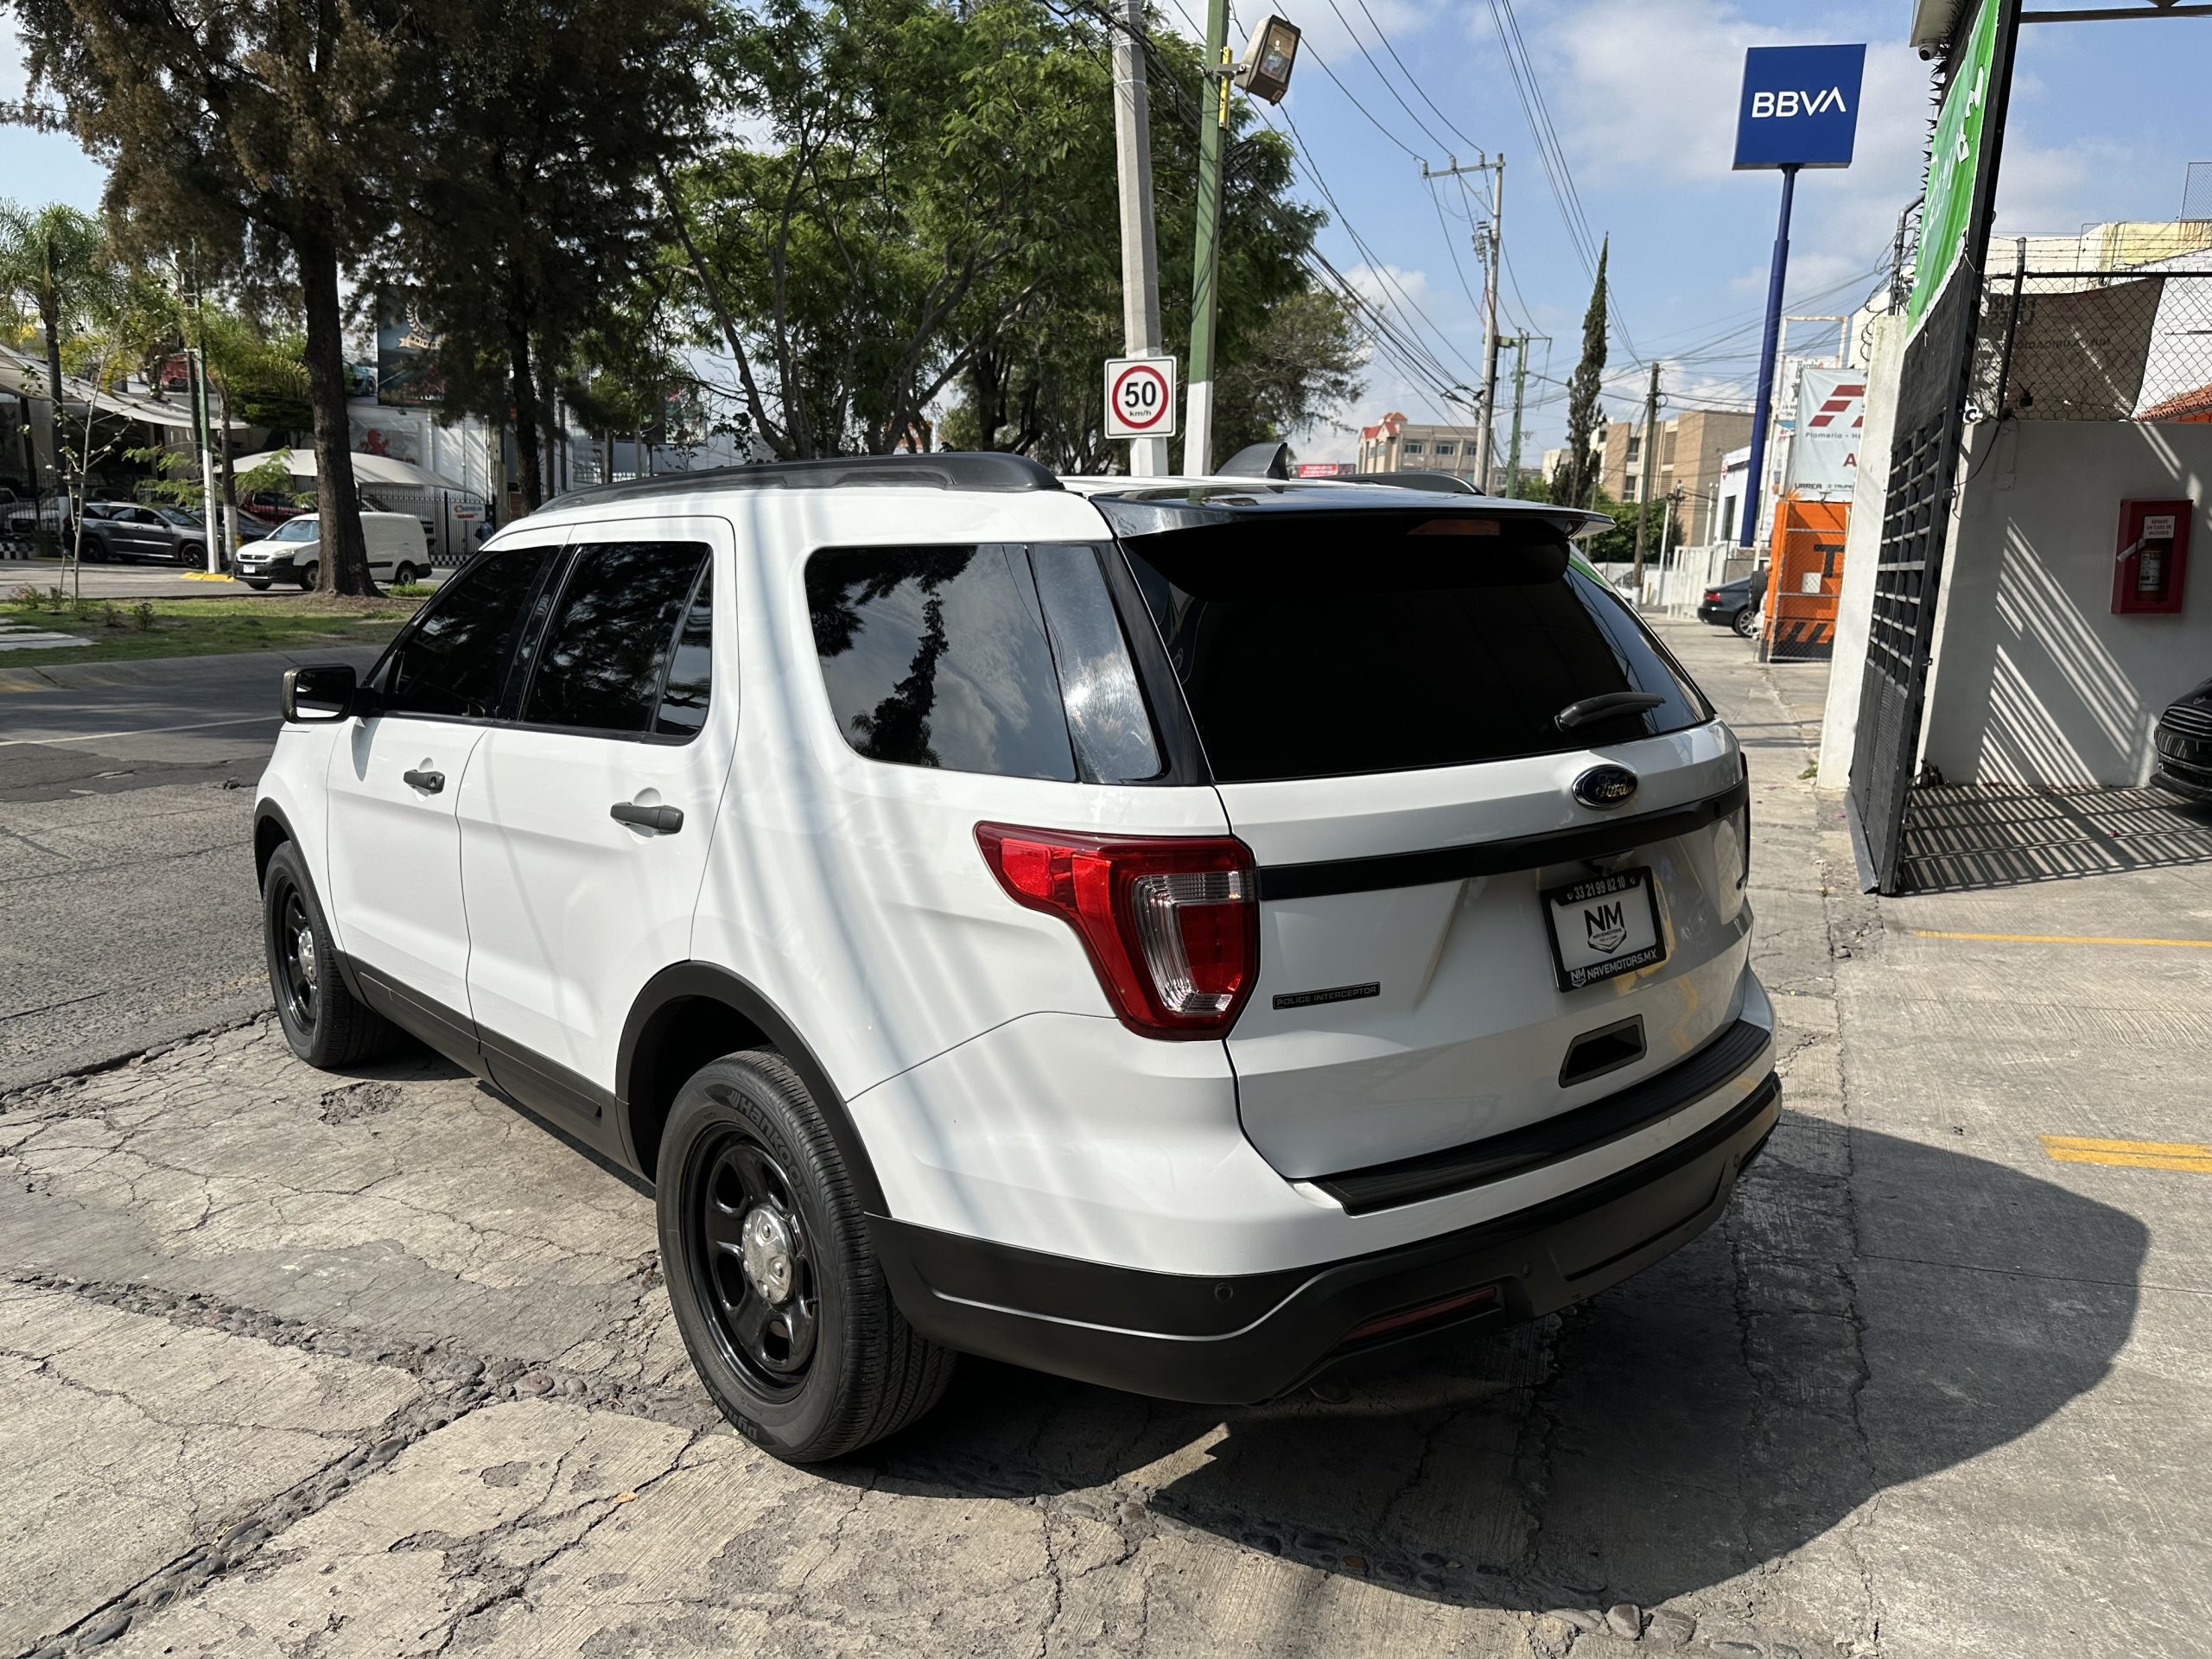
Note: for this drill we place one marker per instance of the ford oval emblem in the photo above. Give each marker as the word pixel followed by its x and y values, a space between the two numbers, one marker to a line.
pixel 1605 786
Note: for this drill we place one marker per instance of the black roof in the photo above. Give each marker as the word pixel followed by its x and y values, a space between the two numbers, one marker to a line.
pixel 989 472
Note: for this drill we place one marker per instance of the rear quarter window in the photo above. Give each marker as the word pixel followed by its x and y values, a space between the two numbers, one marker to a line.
pixel 1349 644
pixel 937 656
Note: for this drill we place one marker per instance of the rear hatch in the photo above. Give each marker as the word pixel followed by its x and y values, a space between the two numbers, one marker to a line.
pixel 1502 837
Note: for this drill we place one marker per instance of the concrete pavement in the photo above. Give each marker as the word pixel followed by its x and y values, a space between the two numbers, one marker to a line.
pixel 1924 1391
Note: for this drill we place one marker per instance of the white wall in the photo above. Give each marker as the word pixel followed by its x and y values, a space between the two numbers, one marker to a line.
pixel 2036 681
pixel 1862 543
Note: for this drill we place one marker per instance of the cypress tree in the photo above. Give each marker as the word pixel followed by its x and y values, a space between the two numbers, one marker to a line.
pixel 1575 482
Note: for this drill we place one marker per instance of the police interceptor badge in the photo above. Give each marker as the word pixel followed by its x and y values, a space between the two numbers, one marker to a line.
pixel 1604 927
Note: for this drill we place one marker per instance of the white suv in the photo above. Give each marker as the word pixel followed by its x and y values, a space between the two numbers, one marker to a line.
pixel 1183 935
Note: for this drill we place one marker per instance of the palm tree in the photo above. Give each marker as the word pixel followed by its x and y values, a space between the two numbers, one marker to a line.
pixel 56 264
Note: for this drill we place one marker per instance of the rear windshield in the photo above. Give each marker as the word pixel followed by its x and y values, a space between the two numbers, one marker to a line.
pixel 1327 647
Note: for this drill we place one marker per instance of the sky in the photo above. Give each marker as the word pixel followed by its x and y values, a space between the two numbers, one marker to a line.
pixel 1641 95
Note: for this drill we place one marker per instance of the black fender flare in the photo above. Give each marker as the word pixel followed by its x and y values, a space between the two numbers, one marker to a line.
pixel 689 981
pixel 268 813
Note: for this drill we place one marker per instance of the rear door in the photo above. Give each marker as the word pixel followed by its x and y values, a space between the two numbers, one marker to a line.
pixel 1389 705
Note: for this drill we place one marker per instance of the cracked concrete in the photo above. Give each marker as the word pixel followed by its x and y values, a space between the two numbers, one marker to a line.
pixel 300 1365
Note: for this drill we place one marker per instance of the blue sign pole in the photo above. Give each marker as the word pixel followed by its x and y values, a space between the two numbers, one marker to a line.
pixel 1755 476
pixel 1799 108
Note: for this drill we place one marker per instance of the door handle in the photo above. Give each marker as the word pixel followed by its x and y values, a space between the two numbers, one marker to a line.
pixel 429 782
pixel 661 820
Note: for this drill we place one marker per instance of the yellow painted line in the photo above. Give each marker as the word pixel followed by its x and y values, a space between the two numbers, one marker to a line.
pixel 2128 1155
pixel 2058 939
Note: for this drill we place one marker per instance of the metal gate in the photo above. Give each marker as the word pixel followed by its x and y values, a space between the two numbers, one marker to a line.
pixel 1932 388
pixel 1908 572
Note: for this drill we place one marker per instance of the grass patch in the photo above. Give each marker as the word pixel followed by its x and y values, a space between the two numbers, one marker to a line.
pixel 200 627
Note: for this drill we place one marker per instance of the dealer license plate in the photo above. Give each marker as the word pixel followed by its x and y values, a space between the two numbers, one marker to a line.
pixel 1604 926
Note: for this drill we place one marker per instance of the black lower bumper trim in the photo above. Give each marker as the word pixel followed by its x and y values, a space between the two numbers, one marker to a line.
pixel 1238 1340
pixel 1434 1174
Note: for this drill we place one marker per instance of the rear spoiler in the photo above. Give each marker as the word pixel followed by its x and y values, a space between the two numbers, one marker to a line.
pixel 1156 511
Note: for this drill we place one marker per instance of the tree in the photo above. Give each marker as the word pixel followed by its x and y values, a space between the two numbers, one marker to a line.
pixel 542 126
pixel 56 263
pixel 254 124
pixel 1575 481
pixel 1288 350
pixel 922 183
pixel 1615 543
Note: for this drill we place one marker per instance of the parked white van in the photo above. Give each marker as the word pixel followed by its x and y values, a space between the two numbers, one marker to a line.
pixel 291 552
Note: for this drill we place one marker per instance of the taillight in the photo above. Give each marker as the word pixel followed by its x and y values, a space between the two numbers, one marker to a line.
pixel 1713 595
pixel 1171 922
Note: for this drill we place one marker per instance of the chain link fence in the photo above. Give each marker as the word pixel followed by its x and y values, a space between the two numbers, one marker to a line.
pixel 2086 345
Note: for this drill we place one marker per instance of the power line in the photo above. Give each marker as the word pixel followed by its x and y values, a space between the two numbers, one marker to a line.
pixel 1413 82
pixel 1427 131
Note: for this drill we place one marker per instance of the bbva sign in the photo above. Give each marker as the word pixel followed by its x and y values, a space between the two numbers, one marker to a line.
pixel 1799 106
pixel 1767 106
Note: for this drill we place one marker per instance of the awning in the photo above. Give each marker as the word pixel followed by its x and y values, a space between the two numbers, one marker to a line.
pixel 25 376
pixel 385 470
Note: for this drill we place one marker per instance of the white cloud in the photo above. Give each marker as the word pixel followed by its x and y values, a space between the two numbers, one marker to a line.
pixel 1607 56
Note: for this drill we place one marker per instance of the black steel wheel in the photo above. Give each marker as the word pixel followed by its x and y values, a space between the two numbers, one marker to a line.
pixel 322 1021
pixel 753 1258
pixel 295 963
pixel 777 1293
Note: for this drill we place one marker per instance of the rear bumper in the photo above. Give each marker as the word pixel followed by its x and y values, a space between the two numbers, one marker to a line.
pixel 1249 1337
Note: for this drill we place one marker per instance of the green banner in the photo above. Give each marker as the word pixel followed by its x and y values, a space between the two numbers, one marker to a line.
pixel 1954 163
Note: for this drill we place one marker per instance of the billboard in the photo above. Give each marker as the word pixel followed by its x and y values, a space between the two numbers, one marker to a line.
pixel 1799 106
pixel 1831 417
pixel 1955 154
pixel 406 375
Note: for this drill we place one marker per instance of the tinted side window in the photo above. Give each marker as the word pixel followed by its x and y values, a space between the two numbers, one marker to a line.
pixel 691 671
pixel 936 657
pixel 456 660
pixel 611 636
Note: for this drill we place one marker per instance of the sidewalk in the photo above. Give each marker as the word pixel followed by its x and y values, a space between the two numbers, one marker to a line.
pixel 2030 1286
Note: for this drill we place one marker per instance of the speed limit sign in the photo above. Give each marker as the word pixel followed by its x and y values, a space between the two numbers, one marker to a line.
pixel 1139 396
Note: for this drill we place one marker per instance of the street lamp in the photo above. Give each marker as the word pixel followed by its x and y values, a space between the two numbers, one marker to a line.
pixel 1265 72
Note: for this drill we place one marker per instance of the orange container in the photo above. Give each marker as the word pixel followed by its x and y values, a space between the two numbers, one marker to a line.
pixel 1804 576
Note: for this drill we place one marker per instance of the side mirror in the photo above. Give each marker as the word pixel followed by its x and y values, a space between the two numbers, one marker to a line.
pixel 324 692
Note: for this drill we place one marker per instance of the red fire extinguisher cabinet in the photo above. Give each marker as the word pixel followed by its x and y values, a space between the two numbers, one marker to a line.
pixel 2153 557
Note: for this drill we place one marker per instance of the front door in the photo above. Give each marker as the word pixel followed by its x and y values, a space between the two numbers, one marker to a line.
pixel 395 899
pixel 584 823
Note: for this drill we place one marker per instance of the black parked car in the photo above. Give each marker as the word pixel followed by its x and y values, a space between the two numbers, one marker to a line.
pixel 1735 604
pixel 2184 743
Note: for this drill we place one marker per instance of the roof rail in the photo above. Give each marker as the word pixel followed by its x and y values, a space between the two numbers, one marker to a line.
pixel 989 472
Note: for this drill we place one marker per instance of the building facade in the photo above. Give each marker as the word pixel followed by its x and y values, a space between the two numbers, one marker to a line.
pixel 1394 444
pixel 1692 451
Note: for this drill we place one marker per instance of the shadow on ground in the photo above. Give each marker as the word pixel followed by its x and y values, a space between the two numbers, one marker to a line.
pixel 1963 837
pixel 1721 1411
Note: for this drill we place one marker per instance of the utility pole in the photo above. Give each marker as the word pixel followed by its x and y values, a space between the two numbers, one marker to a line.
pixel 1651 461
pixel 1140 254
pixel 201 428
pixel 1205 266
pixel 1490 246
pixel 1520 344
